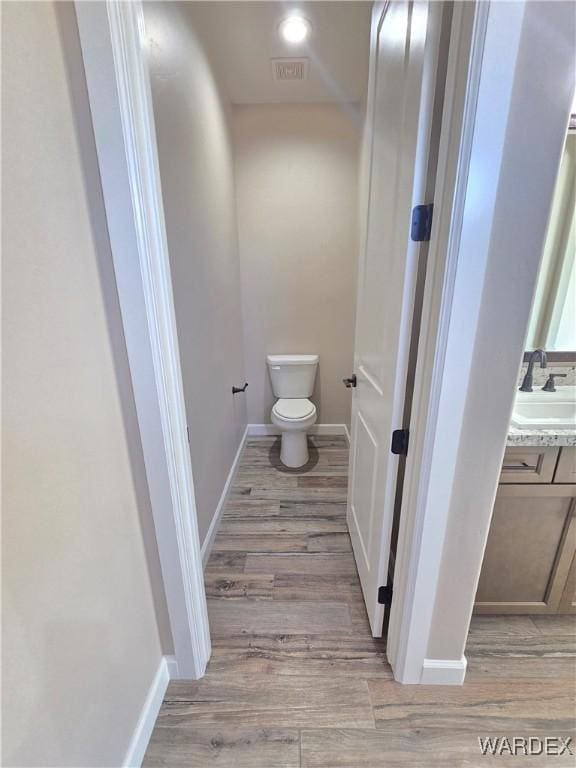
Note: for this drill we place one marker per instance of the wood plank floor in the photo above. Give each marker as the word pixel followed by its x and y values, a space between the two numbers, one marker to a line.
pixel 295 677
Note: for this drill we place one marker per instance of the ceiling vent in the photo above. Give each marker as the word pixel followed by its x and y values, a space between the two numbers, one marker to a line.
pixel 290 69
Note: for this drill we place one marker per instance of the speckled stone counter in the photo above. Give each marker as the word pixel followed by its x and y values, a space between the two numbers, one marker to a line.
pixel 547 437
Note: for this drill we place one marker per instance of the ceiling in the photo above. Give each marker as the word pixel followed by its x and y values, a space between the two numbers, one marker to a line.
pixel 240 38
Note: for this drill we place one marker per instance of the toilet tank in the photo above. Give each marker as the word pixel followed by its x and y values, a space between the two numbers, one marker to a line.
pixel 292 375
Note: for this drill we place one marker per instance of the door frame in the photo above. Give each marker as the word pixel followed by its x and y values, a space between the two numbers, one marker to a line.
pixel 417 552
pixel 112 38
pixel 112 41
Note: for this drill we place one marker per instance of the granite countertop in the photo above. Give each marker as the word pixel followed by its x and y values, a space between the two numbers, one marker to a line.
pixel 547 437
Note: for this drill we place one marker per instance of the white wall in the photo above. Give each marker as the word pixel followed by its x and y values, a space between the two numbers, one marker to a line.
pixel 196 170
pixel 79 626
pixel 296 175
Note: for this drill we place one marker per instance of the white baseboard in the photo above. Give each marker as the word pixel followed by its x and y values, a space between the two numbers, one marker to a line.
pixel 172 665
pixel 145 725
pixel 211 534
pixel 443 671
pixel 263 430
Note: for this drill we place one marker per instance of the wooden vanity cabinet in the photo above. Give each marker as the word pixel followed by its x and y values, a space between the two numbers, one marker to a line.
pixel 530 560
pixel 566 467
pixel 568 599
pixel 530 549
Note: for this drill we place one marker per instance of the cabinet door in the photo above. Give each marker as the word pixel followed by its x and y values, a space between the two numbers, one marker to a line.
pixel 566 469
pixel 530 548
pixel 528 464
pixel 568 599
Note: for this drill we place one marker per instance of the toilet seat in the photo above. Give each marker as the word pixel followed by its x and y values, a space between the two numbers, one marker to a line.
pixel 294 409
pixel 294 416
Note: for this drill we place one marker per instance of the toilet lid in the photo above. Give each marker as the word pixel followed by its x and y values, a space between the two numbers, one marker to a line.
pixel 294 408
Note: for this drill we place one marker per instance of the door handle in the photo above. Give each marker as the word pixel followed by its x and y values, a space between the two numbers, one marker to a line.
pixel 521 466
pixel 350 382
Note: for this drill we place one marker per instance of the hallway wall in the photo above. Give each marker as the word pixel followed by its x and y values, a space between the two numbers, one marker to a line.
pixel 80 639
pixel 196 168
pixel 296 179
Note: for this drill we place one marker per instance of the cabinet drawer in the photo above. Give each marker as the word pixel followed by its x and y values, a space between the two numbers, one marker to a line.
pixel 566 469
pixel 530 464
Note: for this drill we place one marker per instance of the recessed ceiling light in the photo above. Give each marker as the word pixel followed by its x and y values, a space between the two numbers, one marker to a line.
pixel 295 29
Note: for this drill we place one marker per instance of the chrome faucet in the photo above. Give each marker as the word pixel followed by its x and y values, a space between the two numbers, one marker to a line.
pixel 527 382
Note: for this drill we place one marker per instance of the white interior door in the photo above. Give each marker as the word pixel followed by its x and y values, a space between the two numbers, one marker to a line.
pixel 403 58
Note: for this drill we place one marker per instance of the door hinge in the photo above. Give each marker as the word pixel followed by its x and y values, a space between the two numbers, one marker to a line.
pixel 351 381
pixel 421 227
pixel 188 433
pixel 385 595
pixel 400 442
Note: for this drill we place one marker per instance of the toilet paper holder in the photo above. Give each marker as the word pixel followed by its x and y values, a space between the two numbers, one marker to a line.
pixel 235 390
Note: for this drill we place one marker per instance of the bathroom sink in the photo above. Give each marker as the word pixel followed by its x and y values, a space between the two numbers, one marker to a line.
pixel 545 410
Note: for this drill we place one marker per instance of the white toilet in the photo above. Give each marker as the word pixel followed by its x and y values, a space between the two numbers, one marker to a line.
pixel 292 379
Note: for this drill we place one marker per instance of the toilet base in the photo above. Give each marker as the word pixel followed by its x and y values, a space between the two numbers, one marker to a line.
pixel 294 449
